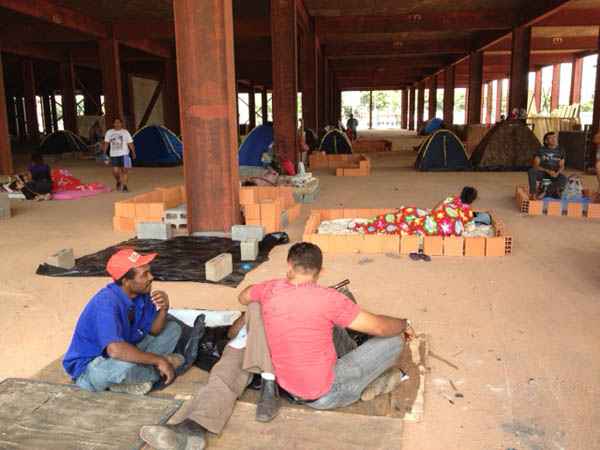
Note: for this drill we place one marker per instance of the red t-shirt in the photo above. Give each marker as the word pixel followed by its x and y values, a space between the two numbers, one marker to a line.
pixel 299 323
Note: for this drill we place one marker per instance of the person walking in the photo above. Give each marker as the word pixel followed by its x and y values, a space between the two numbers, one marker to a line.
pixel 118 143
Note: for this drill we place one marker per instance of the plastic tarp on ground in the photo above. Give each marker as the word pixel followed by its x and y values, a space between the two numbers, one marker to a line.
pixel 179 259
pixel 336 143
pixel 62 142
pixel 442 151
pixel 509 145
pixel 255 144
pixel 155 146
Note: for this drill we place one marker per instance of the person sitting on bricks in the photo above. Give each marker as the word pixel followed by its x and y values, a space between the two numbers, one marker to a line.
pixel 548 164
pixel 289 338
pixel 122 341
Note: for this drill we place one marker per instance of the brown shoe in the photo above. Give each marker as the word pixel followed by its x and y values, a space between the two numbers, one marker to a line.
pixel 386 383
pixel 187 435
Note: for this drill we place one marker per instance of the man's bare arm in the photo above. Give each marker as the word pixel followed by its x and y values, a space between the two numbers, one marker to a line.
pixel 378 325
pixel 244 297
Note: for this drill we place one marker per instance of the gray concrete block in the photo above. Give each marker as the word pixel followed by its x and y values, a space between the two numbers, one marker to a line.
pixel 249 250
pixel 247 232
pixel 4 206
pixel 219 267
pixel 218 234
pixel 154 230
pixel 63 259
pixel 285 219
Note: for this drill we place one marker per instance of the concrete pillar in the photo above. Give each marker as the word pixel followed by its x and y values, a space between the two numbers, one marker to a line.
pixel 411 108
pixel 433 97
pixel 285 78
pixel 47 114
pixel 309 81
pixel 489 104
pixel 537 91
pixel 264 105
pixel 6 163
pixel 555 94
pixel 475 88
pixel 67 79
pixel 420 104
pixel 576 78
pixel 519 68
pixel 28 72
pixel 499 95
pixel 449 86
pixel 251 108
pixel 404 112
pixel 110 66
pixel 596 115
pixel 171 97
pixel 207 84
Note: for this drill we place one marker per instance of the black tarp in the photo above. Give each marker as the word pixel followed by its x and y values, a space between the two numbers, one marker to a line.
pixel 179 259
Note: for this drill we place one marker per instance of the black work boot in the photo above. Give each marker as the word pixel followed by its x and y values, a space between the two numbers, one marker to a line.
pixel 268 404
pixel 187 435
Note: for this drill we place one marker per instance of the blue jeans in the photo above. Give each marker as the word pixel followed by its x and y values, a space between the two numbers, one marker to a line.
pixel 357 369
pixel 103 372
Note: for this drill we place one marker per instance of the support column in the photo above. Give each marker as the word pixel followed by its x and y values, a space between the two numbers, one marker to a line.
pixel 475 88
pixel 596 115
pixel 489 104
pixel 555 95
pixel 433 97
pixel 28 73
pixel 207 83
pixel 285 77
pixel 537 91
pixel 171 97
pixel 67 78
pixel 519 68
pixel 576 78
pixel 411 108
pixel 47 114
pixel 251 108
pixel 420 104
pixel 404 112
pixel 309 81
pixel 321 88
pixel 449 86
pixel 13 127
pixel 264 105
pixel 111 80
pixel 499 95
pixel 6 163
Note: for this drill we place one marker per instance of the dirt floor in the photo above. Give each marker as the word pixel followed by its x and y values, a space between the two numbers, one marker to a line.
pixel 519 334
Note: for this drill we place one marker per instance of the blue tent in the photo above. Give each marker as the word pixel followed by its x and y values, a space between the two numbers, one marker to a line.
pixel 255 144
pixel 442 151
pixel 156 145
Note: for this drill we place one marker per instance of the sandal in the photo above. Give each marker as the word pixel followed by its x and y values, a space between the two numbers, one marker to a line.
pixel 419 256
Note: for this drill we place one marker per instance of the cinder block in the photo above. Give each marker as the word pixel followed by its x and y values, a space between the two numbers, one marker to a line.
pixel 475 246
pixel 249 250
pixel 575 210
pixel 219 267
pixel 63 259
pixel 433 245
pixel 536 207
pixel 495 246
pixel 554 208
pixel 154 230
pixel 247 233
pixel 409 244
pixel 5 212
pixel 454 246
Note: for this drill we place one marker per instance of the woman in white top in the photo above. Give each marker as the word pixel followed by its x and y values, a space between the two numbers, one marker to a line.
pixel 121 152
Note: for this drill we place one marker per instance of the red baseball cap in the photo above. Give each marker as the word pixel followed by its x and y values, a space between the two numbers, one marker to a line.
pixel 124 260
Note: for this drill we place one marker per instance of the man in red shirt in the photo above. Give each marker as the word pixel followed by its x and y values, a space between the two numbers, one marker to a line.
pixel 298 320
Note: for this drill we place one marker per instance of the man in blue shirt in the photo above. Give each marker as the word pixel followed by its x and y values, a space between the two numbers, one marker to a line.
pixel 122 340
pixel 548 163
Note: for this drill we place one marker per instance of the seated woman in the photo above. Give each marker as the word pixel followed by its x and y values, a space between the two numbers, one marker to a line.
pixel 447 219
pixel 37 183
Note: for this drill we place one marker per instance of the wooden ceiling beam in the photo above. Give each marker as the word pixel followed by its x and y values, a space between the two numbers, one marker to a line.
pixel 572 18
pixel 398 48
pixel 559 43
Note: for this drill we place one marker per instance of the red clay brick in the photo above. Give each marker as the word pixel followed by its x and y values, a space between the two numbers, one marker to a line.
pixel 475 246
pixel 554 208
pixel 495 246
pixel 433 245
pixel 454 246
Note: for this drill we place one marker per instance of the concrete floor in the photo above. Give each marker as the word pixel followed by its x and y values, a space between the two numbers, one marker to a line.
pixel 521 332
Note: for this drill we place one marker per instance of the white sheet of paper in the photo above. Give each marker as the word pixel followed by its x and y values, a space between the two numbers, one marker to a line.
pixel 213 318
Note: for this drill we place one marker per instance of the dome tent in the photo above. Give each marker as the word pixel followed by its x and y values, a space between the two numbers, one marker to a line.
pixel 442 151
pixel 336 142
pixel 156 145
pixel 256 143
pixel 62 142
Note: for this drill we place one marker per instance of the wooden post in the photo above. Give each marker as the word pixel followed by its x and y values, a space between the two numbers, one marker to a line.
pixel 28 72
pixel 537 91
pixel 404 112
pixel 576 79
pixel 433 97
pixel 111 80
pixel 411 108
pixel 475 88
pixel 6 163
pixel 285 77
pixel 207 84
pixel 499 95
pixel 519 68
pixel 251 108
pixel 171 97
pixel 370 110
pixel 67 76
pixel 420 104
pixel 309 81
pixel 555 96
pixel 596 115
pixel 449 86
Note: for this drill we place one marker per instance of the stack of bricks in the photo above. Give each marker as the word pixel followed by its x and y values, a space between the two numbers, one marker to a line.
pixel 371 146
pixel 499 245
pixel 344 165
pixel 149 207
pixel 268 206
pixel 555 207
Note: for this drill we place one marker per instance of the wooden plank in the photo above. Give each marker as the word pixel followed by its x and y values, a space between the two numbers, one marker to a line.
pixel 36 415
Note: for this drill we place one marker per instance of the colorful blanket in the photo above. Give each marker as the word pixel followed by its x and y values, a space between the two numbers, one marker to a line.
pixel 66 187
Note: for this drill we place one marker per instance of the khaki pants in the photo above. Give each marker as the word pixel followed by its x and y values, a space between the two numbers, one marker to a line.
pixel 213 404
